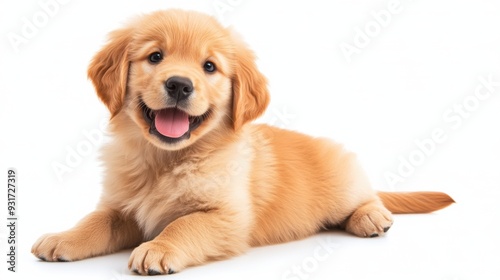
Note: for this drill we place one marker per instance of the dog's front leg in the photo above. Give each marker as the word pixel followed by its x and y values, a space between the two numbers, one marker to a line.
pixel 101 232
pixel 190 240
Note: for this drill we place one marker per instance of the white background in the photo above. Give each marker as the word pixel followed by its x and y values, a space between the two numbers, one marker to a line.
pixel 428 59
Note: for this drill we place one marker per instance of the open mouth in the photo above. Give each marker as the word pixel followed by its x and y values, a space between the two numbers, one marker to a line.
pixel 171 124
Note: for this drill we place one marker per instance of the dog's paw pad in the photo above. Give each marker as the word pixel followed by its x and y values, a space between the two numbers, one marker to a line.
pixel 152 258
pixel 370 220
pixel 60 247
pixel 153 272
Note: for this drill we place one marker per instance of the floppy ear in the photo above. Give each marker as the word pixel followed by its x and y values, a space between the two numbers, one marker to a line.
pixel 109 70
pixel 250 94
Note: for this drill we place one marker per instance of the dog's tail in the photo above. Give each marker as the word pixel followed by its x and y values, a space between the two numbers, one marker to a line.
pixel 414 202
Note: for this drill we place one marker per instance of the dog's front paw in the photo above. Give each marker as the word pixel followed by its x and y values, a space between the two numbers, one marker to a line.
pixel 58 247
pixel 153 258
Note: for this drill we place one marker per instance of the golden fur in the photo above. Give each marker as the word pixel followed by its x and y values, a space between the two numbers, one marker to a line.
pixel 231 184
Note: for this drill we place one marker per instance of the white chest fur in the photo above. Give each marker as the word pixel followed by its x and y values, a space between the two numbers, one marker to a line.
pixel 155 193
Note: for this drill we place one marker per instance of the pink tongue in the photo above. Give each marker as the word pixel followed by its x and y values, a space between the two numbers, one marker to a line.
pixel 172 122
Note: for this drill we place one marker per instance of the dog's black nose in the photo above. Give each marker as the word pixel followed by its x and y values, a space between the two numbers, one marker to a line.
pixel 179 88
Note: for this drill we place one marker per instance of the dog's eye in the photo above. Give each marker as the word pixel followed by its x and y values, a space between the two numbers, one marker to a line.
pixel 155 57
pixel 209 67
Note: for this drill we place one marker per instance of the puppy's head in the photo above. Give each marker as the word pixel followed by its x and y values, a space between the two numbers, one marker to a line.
pixel 178 76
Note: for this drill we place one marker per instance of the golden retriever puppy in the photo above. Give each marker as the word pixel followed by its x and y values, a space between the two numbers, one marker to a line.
pixel 188 178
